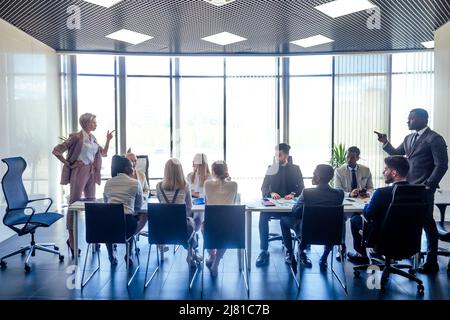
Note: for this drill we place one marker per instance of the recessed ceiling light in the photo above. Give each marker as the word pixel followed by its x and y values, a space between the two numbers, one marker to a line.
pixel 341 8
pixel 219 2
pixel 312 41
pixel 129 36
pixel 104 3
pixel 428 44
pixel 224 38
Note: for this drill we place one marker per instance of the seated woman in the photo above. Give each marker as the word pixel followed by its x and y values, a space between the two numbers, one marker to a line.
pixel 220 191
pixel 174 189
pixel 122 188
pixel 196 180
pixel 138 174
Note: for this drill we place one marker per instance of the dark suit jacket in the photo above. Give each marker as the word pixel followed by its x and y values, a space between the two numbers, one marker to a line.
pixel 375 211
pixel 320 196
pixel 294 181
pixel 428 158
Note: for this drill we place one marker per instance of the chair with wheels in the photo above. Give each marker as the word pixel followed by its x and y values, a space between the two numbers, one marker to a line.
pixel 400 235
pixel 20 214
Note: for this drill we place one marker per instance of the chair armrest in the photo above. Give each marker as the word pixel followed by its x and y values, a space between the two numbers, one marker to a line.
pixel 43 199
pixel 25 208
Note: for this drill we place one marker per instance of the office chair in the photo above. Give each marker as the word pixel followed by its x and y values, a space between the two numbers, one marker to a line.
pixel 105 223
pixel 400 235
pixel 21 217
pixel 167 225
pixel 224 228
pixel 322 225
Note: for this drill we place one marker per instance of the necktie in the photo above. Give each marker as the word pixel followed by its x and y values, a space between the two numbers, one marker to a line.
pixel 414 139
pixel 354 182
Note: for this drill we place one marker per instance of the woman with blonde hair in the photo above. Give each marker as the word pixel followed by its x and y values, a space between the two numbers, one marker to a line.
pixel 175 189
pixel 220 191
pixel 82 165
pixel 196 180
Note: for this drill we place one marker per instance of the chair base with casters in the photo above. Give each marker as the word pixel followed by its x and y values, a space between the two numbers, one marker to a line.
pixel 155 271
pixel 97 252
pixel 32 252
pixel 388 267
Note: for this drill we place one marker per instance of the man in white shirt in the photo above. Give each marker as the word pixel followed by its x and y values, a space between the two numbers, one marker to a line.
pixel 125 190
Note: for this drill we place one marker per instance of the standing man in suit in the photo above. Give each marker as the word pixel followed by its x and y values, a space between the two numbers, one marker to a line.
pixel 282 180
pixel 395 171
pixel 427 154
pixel 323 195
pixel 353 177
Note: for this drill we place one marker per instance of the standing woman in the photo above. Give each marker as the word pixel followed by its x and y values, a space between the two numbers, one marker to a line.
pixel 196 180
pixel 221 191
pixel 82 165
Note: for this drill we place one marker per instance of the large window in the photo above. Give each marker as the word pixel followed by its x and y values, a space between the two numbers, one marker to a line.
pixel 234 108
pixel 148 110
pixel 310 122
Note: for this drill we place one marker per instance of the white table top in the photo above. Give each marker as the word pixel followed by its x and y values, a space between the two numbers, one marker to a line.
pixel 350 205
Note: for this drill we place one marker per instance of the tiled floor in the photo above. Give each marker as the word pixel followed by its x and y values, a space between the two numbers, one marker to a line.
pixel 50 279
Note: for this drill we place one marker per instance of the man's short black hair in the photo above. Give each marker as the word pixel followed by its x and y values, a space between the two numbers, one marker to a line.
pixel 120 164
pixel 354 150
pixel 420 113
pixel 284 147
pixel 399 164
pixel 325 172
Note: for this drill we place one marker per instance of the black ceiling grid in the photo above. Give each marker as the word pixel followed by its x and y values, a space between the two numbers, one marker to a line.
pixel 269 25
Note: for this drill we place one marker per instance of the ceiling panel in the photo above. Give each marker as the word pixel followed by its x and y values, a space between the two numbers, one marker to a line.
pixel 269 25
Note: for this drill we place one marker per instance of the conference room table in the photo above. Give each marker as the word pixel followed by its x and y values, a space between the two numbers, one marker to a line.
pixel 351 206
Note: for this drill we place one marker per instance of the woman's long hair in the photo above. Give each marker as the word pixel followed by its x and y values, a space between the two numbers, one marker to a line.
pixel 220 170
pixel 203 169
pixel 173 176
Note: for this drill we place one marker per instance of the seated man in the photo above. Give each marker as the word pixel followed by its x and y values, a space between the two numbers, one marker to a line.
pixel 282 180
pixel 122 188
pixel 322 195
pixel 352 177
pixel 395 171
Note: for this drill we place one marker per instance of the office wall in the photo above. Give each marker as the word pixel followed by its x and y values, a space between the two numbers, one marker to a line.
pixel 442 89
pixel 29 111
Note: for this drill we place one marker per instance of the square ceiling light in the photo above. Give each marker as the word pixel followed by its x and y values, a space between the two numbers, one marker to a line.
pixel 428 44
pixel 219 2
pixel 129 36
pixel 341 8
pixel 312 41
pixel 104 3
pixel 224 38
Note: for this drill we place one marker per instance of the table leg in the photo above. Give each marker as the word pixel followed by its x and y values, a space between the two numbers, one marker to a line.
pixel 75 236
pixel 248 224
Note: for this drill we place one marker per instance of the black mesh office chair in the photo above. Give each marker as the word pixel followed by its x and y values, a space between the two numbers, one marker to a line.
pixel 22 217
pixel 105 223
pixel 167 225
pixel 400 234
pixel 224 228
pixel 323 225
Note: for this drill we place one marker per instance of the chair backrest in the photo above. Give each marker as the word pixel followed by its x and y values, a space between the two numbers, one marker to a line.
pixel 12 184
pixel 323 225
pixel 401 230
pixel 105 223
pixel 224 227
pixel 167 224
pixel 142 165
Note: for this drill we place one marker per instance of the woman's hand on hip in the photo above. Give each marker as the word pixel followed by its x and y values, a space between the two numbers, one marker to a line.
pixel 76 164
